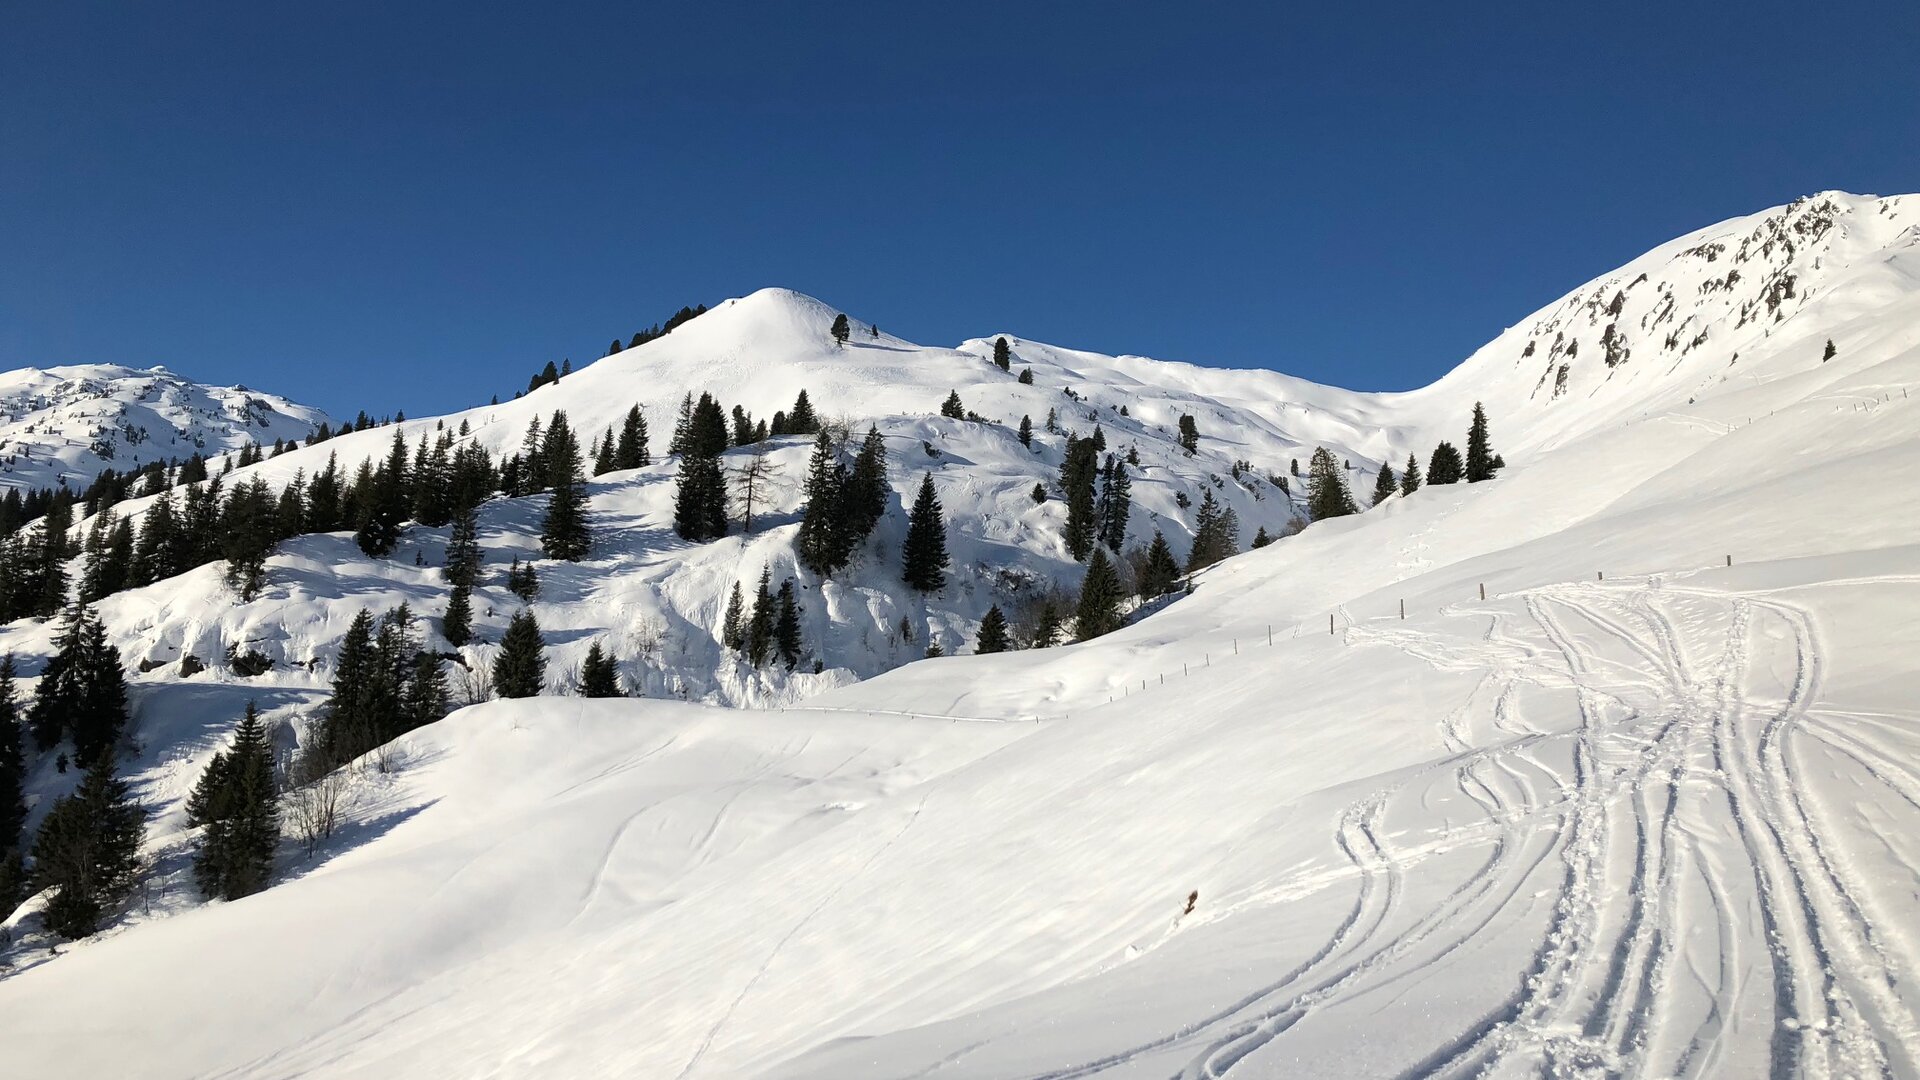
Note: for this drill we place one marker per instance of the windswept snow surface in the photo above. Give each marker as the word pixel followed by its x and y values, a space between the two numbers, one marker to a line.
pixel 1633 812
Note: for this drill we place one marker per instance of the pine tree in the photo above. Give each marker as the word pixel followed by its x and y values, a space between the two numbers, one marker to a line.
pixel 786 630
pixel 761 626
pixel 88 849
pixel 354 715
pixel 1385 485
pixel 682 427
pixel 865 493
pixel 520 669
pixel 237 804
pixel 1260 539
pixel 925 551
pixel 1116 504
pixel 247 536
pixel 463 548
pixel 564 533
pixel 993 632
pixel 1830 353
pixel 13 803
pixel 700 500
pixel 425 699
pixel 1078 470
pixel 1445 466
pixel 1479 448
pixel 1161 573
pixel 599 674
pixel 1002 354
pixel 733 630
pixel 1410 479
pixel 522 581
pixel 1216 534
pixel 1189 434
pixel 802 421
pixel 1046 626
pixel 951 408
pixel 820 543
pixel 603 454
pixel 840 329
pixel 457 625
pixel 1026 376
pixel 1026 432
pixel 1099 611
pixel 631 450
pixel 82 692
pixel 1327 493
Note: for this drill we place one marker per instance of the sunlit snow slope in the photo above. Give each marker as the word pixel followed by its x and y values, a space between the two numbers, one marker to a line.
pixel 1636 811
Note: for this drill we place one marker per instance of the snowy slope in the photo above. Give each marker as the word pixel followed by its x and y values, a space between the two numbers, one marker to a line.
pixel 68 424
pixel 1659 824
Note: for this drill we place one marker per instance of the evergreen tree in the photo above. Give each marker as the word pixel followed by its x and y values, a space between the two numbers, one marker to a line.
pixel 1410 479
pixel 840 329
pixel 564 533
pixel 1046 627
pixel 762 625
pixel 1260 539
pixel 237 803
pixel 925 551
pixel 1830 353
pixel 457 625
pixel 866 492
pixel 1078 470
pixel 1189 434
pixel 247 536
pixel 1385 485
pixel 520 669
pixel 88 849
pixel 13 803
pixel 1327 493
pixel 522 581
pixel 1026 432
pixel 1116 503
pixel 700 500
pixel 603 454
pixel 425 699
pixel 993 631
pixel 1216 534
pixel 463 548
pixel 1099 611
pixel 1002 354
pixel 786 630
pixel 599 674
pixel 82 692
pixel 355 713
pixel 820 543
pixel 733 630
pixel 1026 376
pixel 1445 466
pixel 682 427
pixel 802 421
pixel 631 450
pixel 1161 574
pixel 952 408
pixel 1479 448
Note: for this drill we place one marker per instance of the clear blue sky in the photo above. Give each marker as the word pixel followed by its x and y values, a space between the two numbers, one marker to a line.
pixel 409 206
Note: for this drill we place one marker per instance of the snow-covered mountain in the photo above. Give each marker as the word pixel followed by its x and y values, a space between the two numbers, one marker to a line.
pixel 68 424
pixel 1608 767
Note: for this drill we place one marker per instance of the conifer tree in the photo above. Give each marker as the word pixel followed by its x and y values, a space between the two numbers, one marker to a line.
pixel 700 500
pixel 1385 485
pixel 733 630
pixel 1002 354
pixel 1830 352
pixel 1445 466
pixel 82 692
pixel 1216 534
pixel 1479 448
pixel 631 450
pixel 866 492
pixel 463 548
pixel 802 421
pixel 1410 478
pixel 354 714
pixel 599 674
pixel 820 544
pixel 13 803
pixel 247 536
pixel 457 625
pixel 1116 504
pixel 786 630
pixel 1046 626
pixel 924 555
pixel 1260 538
pixel 762 625
pixel 993 632
pixel 682 427
pixel 1189 434
pixel 520 669
pixel 88 849
pixel 840 329
pixel 1327 493
pixel 603 454
pixel 952 408
pixel 522 581
pixel 1026 376
pixel 425 699
pixel 1026 431
pixel 1162 571
pixel 237 804
pixel 564 533
pixel 1078 470
pixel 1099 611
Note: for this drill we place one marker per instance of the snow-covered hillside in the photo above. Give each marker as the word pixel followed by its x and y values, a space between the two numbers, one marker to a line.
pixel 1609 767
pixel 68 424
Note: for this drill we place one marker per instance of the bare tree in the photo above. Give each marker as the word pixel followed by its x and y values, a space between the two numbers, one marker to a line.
pixel 314 802
pixel 473 683
pixel 750 481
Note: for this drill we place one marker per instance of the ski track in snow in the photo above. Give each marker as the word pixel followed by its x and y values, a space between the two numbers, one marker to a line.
pixel 1676 820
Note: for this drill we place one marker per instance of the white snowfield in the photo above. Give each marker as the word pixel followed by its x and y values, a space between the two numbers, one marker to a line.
pixel 1635 812
pixel 69 424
